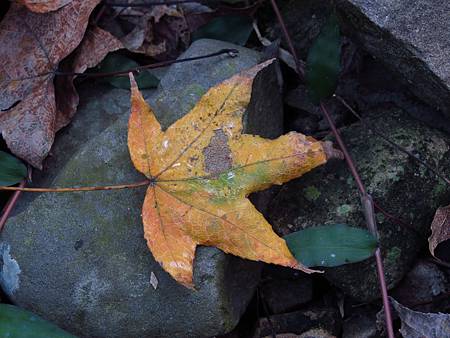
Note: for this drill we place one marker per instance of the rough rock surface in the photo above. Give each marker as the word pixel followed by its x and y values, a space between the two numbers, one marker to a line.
pixel 424 283
pixel 284 289
pixel 80 259
pixel 315 317
pixel 397 183
pixel 411 37
pixel 361 325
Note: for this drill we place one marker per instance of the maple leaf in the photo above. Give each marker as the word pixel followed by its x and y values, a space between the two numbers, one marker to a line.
pixel 202 168
pixel 33 44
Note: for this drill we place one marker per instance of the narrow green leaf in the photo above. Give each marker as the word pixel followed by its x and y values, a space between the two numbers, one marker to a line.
pixel 232 28
pixel 118 62
pixel 18 323
pixel 12 170
pixel 331 245
pixel 323 62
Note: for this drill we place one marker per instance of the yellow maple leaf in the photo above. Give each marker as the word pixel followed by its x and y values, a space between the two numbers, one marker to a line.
pixel 202 168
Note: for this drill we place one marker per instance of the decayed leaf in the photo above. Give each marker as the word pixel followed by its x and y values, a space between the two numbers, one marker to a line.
pixel 32 46
pixel 202 168
pixel 159 31
pixel 44 6
pixel 422 325
pixel 96 44
pixel 440 230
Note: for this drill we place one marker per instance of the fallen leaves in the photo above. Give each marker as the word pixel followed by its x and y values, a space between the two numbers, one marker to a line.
pixel 421 325
pixel 45 42
pixel 202 168
pixel 44 6
pixel 440 234
pixel 94 47
pixel 33 44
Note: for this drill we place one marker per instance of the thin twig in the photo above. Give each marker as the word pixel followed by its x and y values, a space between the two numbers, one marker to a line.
pixel 10 205
pixel 367 201
pixel 372 226
pixel 108 187
pixel 230 52
pixel 392 143
pixel 299 66
pixel 151 3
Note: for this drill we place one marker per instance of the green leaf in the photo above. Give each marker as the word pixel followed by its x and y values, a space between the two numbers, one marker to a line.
pixel 118 62
pixel 12 170
pixel 323 62
pixel 18 323
pixel 331 245
pixel 232 28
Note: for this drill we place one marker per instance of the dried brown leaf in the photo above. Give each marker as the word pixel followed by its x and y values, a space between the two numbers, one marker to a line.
pixel 96 44
pixel 44 6
pixel 160 32
pixel 440 230
pixel 33 44
pixel 421 325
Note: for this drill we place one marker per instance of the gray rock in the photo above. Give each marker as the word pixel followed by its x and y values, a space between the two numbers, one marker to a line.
pixel 80 259
pixel 411 37
pixel 313 318
pixel 287 295
pixel 99 108
pixel 397 183
pixel 283 289
pixel 361 325
pixel 421 286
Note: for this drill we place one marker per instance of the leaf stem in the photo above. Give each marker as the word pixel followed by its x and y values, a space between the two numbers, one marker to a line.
pixel 107 187
pixel 366 198
pixel 10 205
pixel 299 66
pixel 230 52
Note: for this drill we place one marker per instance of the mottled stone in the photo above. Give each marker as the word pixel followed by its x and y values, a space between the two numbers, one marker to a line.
pixel 80 259
pixel 398 184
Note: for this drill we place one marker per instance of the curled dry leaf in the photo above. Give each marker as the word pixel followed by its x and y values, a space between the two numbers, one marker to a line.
pixel 96 44
pixel 33 44
pixel 202 168
pixel 421 325
pixel 160 31
pixel 440 232
pixel 44 6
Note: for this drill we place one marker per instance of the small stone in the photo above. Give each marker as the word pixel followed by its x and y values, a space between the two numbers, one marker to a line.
pixel 420 286
pixel 360 325
pixel 286 295
pixel 315 317
pixel 153 280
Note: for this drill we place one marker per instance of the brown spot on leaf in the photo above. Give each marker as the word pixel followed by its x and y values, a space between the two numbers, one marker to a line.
pixel 217 154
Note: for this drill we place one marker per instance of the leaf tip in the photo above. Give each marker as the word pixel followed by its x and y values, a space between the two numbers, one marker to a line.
pixel 133 84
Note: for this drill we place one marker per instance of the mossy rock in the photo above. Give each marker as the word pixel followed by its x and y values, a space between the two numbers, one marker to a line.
pixel 396 182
